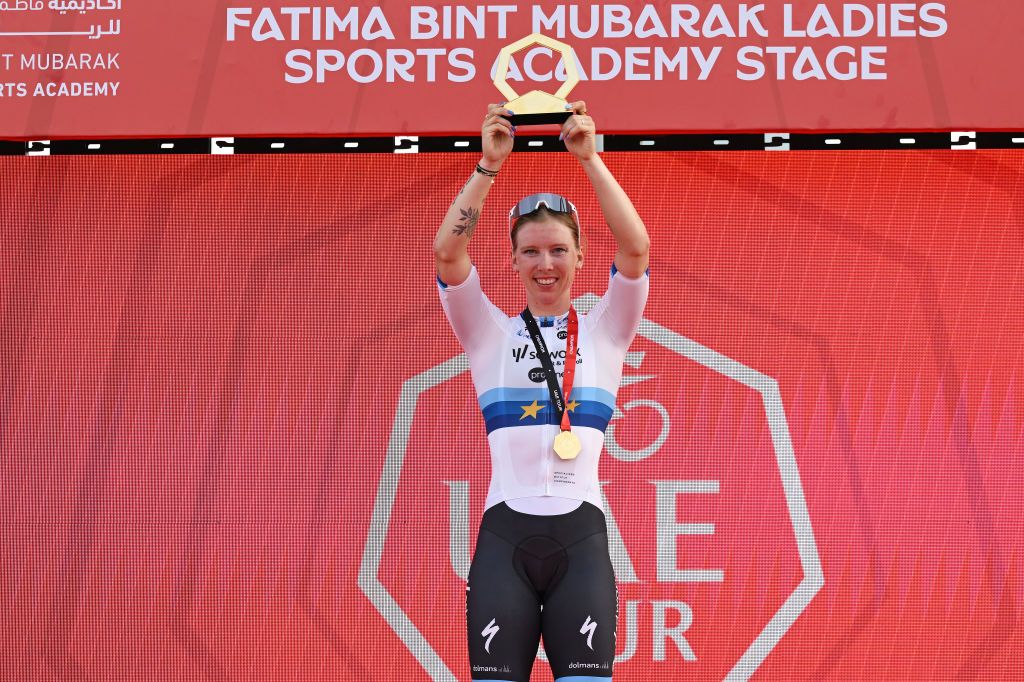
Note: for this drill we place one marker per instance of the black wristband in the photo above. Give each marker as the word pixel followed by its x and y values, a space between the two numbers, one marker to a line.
pixel 483 171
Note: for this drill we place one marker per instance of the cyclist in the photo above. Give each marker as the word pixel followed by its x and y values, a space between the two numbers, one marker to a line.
pixel 546 382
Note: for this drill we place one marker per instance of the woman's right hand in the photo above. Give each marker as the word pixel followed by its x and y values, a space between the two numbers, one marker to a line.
pixel 497 136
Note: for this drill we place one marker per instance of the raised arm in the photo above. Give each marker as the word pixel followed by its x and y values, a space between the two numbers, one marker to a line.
pixel 628 229
pixel 451 254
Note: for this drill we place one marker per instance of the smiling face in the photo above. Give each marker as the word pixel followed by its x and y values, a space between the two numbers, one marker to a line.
pixel 546 257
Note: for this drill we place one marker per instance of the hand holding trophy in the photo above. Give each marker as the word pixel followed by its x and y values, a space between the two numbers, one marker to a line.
pixel 496 136
pixel 579 132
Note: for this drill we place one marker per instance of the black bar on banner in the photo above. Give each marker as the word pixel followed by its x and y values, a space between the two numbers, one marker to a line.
pixel 412 144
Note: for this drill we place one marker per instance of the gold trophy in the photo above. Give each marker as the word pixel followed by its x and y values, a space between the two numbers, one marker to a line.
pixel 537 107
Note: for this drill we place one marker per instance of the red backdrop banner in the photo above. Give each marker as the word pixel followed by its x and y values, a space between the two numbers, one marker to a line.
pixel 114 68
pixel 240 442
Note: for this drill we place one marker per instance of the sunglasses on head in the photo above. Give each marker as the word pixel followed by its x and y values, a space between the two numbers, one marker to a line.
pixel 553 202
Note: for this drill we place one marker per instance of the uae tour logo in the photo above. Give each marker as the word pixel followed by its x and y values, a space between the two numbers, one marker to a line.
pixel 668 618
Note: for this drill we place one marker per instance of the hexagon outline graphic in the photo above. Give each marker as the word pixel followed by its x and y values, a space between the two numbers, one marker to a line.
pixel 776 627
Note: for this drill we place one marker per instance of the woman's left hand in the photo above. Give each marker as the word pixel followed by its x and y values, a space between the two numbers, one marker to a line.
pixel 579 132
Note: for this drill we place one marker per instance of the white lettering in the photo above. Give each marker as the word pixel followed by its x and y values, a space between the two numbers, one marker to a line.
pixel 931 13
pixel 780 59
pixel 553 23
pixel 706 63
pixel 298 60
pixel 376 66
pixel 314 23
pixel 296 14
pixel 574 22
pixel 598 55
pixel 235 19
pixel 821 23
pixel 616 21
pixel 868 60
pixel 350 23
pixel 662 64
pixel 376 26
pixel 841 63
pixel 717 24
pixel 661 632
pixel 75 89
pixel 833 68
pixel 685 17
pixel 669 529
pixel 423 23
pixel 328 61
pixel 399 63
pixel 744 58
pixel 528 65
pixel 633 60
pixel 787 23
pixel 266 27
pixel 649 24
pixel 461 58
pixel 750 19
pixel 431 53
pixel 901 13
pixel 866 18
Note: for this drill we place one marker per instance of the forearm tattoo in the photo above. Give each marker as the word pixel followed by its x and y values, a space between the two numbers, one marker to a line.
pixel 467 223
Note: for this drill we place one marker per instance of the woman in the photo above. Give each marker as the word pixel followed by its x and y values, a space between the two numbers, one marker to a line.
pixel 541 564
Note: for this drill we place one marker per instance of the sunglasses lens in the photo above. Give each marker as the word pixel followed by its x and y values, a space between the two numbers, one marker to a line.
pixel 553 202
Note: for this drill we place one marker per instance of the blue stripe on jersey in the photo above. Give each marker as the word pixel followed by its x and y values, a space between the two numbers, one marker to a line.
pixel 526 396
pixel 545 408
pixel 578 417
pixel 503 407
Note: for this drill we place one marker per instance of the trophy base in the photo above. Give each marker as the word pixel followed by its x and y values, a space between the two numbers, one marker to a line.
pixel 539 119
pixel 537 108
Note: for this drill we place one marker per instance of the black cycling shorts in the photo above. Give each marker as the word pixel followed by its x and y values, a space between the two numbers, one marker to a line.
pixel 534 575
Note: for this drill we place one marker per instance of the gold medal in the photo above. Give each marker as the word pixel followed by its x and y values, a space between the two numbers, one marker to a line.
pixel 567 445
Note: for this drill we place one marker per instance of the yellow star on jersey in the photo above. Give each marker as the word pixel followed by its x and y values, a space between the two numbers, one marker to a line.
pixel 531 410
pixel 572 405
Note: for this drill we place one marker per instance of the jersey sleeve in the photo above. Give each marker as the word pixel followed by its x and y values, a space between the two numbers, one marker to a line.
pixel 617 315
pixel 474 319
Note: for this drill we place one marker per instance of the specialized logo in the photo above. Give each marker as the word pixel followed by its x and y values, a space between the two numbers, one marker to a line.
pixel 588 629
pixel 489 632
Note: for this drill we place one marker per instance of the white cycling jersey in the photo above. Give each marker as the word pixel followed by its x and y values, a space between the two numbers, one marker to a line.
pixel 513 394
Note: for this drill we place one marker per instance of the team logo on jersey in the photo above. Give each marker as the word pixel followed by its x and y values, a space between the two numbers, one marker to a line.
pixel 588 629
pixel 537 375
pixel 489 632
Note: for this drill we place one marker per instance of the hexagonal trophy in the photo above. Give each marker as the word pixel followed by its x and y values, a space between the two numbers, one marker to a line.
pixel 537 107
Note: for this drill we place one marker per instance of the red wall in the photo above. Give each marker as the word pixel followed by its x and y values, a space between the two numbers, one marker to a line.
pixel 202 363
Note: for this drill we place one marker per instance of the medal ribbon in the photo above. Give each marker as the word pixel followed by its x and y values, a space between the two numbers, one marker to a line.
pixel 558 395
